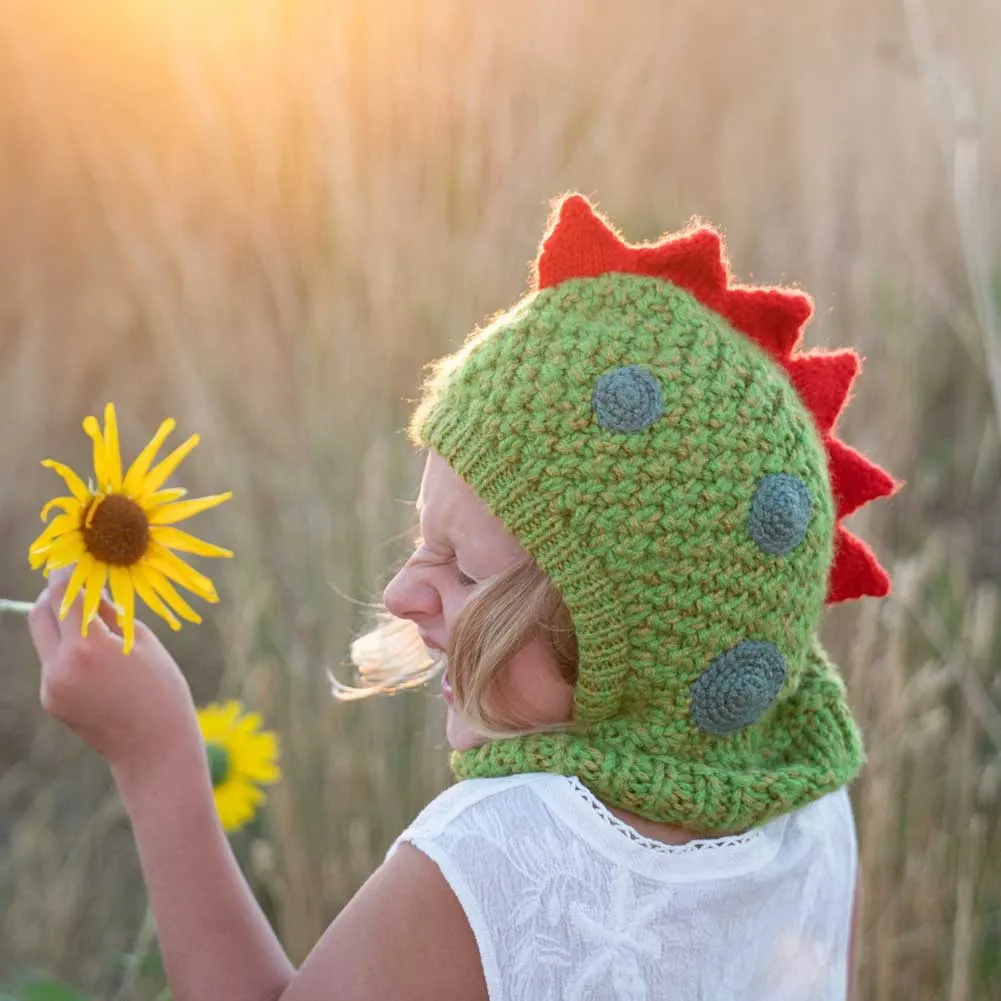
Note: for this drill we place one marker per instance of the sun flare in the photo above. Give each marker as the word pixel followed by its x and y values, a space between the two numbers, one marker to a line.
pixel 120 532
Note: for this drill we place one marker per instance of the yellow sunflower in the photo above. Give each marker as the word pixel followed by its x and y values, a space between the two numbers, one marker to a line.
pixel 120 532
pixel 242 758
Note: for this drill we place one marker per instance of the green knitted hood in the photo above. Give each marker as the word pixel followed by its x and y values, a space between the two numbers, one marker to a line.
pixel 646 432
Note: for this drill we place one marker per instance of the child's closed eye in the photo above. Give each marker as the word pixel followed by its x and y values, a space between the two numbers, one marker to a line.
pixel 423 552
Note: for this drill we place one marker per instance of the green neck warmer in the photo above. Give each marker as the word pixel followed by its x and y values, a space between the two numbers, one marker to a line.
pixel 646 431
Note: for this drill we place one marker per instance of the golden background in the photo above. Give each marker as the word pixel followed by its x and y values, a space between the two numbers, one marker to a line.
pixel 263 217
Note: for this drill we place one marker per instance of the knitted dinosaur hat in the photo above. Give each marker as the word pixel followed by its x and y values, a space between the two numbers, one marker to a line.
pixel 648 432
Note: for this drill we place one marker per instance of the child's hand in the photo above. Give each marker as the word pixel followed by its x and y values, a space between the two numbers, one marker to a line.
pixel 131 709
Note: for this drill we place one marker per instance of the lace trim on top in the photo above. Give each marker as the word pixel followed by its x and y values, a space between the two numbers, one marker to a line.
pixel 698 845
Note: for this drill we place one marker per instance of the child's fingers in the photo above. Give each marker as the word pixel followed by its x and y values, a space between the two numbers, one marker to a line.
pixel 107 614
pixel 44 627
pixel 72 623
pixel 58 583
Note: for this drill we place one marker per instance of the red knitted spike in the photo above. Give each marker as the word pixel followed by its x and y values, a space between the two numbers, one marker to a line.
pixel 823 380
pixel 772 317
pixel 854 479
pixel 693 261
pixel 579 245
pixel 856 572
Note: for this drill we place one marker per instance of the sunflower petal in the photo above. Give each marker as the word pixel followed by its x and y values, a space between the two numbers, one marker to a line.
pixel 79 577
pixel 112 450
pixel 227 808
pixel 145 591
pixel 41 548
pixel 63 552
pixel 174 538
pixel 172 513
pixel 262 772
pixel 236 802
pixel 125 600
pixel 254 795
pixel 60 526
pixel 70 505
pixel 157 476
pixel 229 713
pixel 101 472
pixel 140 467
pixel 96 580
pixel 208 722
pixel 161 497
pixel 249 795
pixel 177 570
pixel 248 725
pixel 165 589
pixel 76 486
pixel 259 760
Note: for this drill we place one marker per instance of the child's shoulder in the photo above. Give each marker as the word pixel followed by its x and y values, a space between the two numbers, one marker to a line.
pixel 476 796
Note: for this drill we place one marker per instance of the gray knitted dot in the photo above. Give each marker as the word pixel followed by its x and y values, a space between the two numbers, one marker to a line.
pixel 627 399
pixel 780 513
pixel 737 687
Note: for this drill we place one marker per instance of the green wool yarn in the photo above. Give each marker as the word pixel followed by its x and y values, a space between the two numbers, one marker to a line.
pixel 665 474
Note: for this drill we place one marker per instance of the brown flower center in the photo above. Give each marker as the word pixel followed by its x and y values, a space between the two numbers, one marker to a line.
pixel 116 530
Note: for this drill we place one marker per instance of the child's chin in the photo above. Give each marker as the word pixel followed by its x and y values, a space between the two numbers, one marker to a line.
pixel 459 734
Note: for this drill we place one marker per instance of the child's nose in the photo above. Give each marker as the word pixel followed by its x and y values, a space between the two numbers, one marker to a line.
pixel 409 596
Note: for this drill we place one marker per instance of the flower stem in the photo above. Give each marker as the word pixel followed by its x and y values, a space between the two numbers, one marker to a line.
pixel 8 605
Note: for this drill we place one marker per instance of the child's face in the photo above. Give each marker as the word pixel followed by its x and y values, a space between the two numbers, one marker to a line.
pixel 462 543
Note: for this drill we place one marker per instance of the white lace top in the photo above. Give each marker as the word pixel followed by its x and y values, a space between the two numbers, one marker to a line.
pixel 567 902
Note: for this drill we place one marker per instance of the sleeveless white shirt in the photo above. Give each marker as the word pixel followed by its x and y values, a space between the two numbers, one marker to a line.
pixel 568 902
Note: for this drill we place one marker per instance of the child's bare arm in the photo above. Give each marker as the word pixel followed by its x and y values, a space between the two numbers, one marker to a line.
pixel 136 711
pixel 215 941
pixel 404 936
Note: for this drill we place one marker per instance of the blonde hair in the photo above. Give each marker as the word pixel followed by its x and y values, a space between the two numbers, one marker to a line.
pixel 503 614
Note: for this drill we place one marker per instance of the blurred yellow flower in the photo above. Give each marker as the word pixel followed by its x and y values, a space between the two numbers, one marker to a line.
pixel 242 758
pixel 120 532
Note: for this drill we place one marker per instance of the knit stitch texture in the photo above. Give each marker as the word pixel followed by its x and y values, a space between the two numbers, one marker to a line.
pixel 679 488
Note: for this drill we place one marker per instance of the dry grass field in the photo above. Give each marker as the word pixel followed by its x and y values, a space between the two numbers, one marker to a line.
pixel 262 217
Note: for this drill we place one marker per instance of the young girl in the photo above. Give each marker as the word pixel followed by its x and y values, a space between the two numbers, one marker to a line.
pixel 630 518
